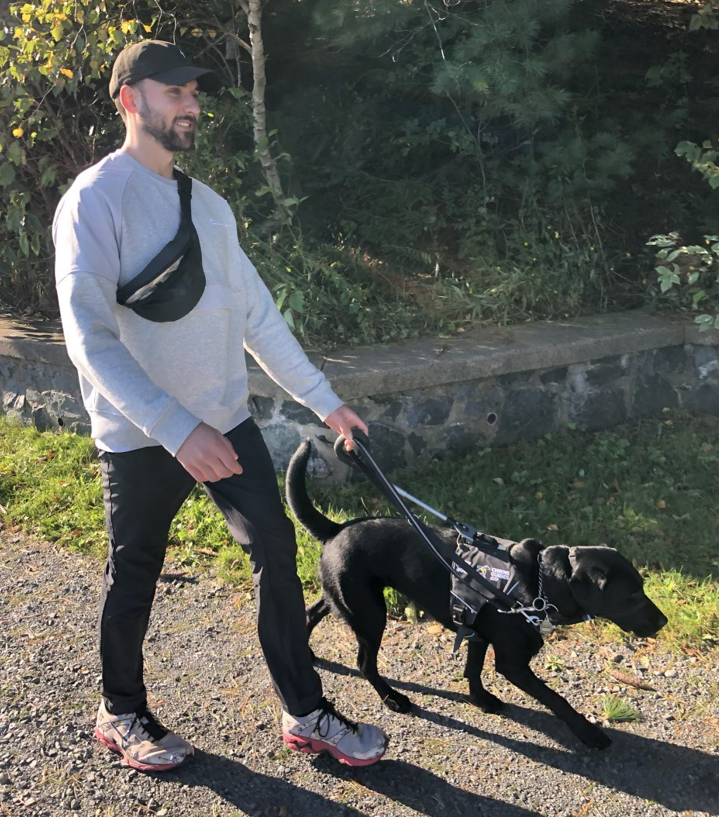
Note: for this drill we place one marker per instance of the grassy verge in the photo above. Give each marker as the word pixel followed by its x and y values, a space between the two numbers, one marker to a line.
pixel 650 488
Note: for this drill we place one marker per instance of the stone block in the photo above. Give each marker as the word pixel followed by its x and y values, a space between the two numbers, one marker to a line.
pixel 704 399
pixel 458 441
pixel 605 371
pixel 652 393
pixel 601 409
pixel 388 446
pixel 282 441
pixel 297 413
pixel 515 378
pixel 417 444
pixel 262 408
pixel 670 359
pixel 704 355
pixel 527 414
pixel 553 376
pixel 429 412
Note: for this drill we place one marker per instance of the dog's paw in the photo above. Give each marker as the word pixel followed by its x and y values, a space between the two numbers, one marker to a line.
pixel 486 702
pixel 593 737
pixel 397 702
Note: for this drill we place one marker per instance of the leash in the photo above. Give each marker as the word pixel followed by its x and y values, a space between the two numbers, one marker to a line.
pixel 361 458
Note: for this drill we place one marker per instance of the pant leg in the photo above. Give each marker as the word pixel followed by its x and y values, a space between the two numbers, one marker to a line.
pixel 143 490
pixel 251 505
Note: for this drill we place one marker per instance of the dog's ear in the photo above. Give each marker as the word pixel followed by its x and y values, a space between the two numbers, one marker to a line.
pixel 587 580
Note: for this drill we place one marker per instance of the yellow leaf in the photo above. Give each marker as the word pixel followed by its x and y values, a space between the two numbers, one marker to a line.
pixel 147 28
pixel 661 504
pixel 498 480
pixel 578 485
pixel 80 16
pixel 553 527
pixel 67 72
pixel 125 26
pixel 18 132
pixel 196 32
pixel 435 629
pixel 211 34
pixel 539 495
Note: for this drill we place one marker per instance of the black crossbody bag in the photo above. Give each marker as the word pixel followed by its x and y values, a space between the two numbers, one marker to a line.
pixel 170 286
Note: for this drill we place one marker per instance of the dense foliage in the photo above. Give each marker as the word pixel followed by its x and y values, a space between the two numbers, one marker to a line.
pixel 445 163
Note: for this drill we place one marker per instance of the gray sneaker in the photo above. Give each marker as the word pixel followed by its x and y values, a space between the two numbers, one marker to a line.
pixel 141 739
pixel 325 730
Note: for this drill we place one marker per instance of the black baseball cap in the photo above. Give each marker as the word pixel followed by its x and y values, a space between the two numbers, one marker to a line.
pixel 161 61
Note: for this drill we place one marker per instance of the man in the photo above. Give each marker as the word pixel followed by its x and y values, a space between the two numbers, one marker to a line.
pixel 155 315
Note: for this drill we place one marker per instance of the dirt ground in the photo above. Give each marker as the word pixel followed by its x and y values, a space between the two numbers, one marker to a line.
pixel 208 682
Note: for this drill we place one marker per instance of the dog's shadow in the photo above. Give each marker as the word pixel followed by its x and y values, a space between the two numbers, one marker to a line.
pixel 407 686
pixel 262 795
pixel 677 777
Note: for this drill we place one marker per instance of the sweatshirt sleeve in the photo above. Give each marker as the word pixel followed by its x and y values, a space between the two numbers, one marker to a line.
pixel 87 268
pixel 272 344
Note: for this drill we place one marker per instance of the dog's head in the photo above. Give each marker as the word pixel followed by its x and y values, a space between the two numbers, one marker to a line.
pixel 605 584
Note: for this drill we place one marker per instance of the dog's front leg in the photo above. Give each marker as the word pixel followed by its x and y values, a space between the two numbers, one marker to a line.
pixel 476 650
pixel 522 677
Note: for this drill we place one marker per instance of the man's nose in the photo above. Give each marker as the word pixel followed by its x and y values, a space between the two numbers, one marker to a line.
pixel 192 105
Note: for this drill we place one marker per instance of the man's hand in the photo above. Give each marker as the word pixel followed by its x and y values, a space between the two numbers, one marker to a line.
pixel 208 455
pixel 343 420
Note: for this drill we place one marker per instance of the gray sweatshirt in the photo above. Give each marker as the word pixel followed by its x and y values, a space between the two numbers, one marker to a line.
pixel 147 383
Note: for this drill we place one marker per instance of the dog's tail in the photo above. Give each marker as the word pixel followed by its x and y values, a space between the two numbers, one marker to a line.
pixel 314 522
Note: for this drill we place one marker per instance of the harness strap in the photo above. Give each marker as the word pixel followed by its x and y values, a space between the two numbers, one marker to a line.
pixel 451 560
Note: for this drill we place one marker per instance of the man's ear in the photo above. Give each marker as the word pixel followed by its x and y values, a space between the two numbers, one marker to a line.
pixel 128 98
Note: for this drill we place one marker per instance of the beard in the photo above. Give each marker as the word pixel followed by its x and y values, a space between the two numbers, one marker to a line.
pixel 170 139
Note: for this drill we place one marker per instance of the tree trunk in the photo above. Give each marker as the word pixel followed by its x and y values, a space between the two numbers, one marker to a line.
pixel 253 10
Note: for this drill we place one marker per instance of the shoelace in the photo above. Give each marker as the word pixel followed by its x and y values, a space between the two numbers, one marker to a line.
pixel 149 724
pixel 325 719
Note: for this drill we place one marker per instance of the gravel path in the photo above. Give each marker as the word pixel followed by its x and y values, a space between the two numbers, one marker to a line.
pixel 208 681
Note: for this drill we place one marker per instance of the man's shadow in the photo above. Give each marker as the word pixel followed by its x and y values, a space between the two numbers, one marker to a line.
pixel 261 795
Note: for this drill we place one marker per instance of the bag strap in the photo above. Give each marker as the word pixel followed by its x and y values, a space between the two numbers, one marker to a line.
pixel 184 189
pixel 172 250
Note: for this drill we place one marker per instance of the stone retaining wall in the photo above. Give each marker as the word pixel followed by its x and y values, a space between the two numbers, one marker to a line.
pixel 434 397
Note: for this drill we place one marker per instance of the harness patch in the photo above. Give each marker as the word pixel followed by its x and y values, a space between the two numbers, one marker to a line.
pixel 467 599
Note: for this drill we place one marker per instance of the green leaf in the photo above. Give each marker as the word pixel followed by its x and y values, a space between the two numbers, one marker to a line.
pixel 297 301
pixel 24 244
pixel 289 318
pixel 15 153
pixel 7 174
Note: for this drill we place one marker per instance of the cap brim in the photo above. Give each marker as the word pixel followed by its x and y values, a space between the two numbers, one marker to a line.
pixel 207 80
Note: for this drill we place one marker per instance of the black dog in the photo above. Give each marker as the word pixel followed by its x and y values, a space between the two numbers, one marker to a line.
pixel 364 556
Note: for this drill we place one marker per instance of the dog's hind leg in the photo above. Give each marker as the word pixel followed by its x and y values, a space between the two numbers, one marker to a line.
pixel 369 638
pixel 316 613
pixel 476 650
pixel 364 609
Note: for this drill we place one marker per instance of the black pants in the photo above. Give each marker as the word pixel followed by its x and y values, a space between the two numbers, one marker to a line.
pixel 143 491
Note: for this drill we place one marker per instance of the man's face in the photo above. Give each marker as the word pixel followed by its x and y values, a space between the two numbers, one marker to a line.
pixel 168 113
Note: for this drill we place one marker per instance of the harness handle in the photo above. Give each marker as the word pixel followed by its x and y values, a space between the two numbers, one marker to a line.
pixel 361 458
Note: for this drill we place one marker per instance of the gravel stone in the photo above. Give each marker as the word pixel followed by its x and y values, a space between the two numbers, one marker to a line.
pixel 207 680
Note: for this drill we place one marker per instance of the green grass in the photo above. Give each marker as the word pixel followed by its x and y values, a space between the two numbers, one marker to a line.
pixel 649 488
pixel 618 710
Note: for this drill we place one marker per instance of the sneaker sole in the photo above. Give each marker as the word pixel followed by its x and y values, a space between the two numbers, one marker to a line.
pixel 311 746
pixel 143 767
